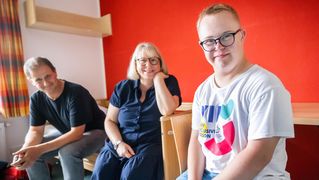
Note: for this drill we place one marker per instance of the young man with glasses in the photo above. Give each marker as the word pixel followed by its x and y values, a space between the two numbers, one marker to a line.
pixel 241 113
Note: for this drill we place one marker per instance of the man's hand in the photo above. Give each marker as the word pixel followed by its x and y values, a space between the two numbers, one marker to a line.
pixel 25 157
pixel 17 161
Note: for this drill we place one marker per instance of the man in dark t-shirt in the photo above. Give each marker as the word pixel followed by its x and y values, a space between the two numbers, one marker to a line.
pixel 68 107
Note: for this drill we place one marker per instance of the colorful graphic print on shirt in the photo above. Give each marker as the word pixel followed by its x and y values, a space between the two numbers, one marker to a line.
pixel 217 128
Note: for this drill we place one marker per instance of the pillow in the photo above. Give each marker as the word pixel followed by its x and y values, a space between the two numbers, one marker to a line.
pixel 104 109
pixel 50 130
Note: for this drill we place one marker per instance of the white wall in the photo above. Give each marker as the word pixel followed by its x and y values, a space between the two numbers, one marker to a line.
pixel 77 58
pixel 16 128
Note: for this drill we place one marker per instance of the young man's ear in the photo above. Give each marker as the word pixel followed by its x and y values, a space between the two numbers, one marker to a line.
pixel 243 32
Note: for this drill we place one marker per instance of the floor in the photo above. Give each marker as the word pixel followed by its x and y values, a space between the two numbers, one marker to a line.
pixel 57 173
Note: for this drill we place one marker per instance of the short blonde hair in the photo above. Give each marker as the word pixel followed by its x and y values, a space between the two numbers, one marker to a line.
pixel 215 9
pixel 149 49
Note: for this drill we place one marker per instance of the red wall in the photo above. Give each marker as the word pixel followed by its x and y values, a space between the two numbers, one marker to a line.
pixel 282 36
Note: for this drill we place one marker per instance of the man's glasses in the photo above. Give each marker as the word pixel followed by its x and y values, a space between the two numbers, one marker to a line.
pixel 226 39
pixel 152 60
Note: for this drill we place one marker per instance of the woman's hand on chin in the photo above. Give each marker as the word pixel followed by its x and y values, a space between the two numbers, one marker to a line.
pixel 160 75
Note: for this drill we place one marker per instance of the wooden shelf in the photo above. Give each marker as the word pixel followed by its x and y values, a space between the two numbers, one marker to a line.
pixel 60 21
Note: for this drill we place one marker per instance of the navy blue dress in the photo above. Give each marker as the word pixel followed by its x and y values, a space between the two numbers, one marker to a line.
pixel 139 124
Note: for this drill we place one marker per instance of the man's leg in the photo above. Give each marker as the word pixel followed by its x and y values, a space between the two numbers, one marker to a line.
pixel 39 169
pixel 71 155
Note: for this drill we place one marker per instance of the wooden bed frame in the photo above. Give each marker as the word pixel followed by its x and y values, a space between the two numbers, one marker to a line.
pixel 176 130
pixel 175 146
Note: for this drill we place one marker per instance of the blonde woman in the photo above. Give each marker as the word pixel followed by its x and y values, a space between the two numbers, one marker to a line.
pixel 132 122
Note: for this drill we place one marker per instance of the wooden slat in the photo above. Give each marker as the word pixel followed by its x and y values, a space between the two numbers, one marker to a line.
pixel 89 162
pixel 182 128
pixel 171 168
pixel 102 102
pixel 185 106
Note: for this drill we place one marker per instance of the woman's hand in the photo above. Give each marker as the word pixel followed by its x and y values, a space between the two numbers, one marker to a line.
pixel 160 76
pixel 125 150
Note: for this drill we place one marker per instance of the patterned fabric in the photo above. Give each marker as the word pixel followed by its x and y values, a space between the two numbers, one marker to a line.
pixel 14 98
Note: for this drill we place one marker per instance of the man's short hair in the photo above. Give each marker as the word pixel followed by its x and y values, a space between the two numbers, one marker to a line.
pixel 34 63
pixel 215 9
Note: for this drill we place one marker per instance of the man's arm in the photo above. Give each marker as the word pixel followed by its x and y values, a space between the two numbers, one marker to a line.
pixel 34 136
pixel 74 134
pixel 250 161
pixel 33 148
pixel 195 158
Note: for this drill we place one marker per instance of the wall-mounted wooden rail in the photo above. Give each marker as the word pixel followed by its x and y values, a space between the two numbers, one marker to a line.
pixel 304 113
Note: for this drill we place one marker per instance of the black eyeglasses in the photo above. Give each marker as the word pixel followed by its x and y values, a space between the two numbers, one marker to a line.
pixel 152 60
pixel 226 39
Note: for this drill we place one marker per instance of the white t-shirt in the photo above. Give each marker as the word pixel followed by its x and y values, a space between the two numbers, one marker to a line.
pixel 255 105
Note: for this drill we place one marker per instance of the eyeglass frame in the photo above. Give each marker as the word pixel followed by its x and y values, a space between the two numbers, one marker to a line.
pixel 159 60
pixel 217 40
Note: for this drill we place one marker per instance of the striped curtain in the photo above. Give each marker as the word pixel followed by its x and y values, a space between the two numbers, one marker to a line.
pixel 14 97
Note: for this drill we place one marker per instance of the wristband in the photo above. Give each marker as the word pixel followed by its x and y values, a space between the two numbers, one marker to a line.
pixel 116 144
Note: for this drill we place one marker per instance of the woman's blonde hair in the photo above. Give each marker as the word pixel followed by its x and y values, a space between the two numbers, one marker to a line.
pixel 150 50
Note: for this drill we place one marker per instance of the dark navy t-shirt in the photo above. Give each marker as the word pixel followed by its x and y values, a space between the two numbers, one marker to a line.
pixel 139 123
pixel 74 107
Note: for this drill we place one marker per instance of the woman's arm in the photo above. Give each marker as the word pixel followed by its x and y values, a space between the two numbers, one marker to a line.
pixel 195 158
pixel 113 132
pixel 111 124
pixel 166 103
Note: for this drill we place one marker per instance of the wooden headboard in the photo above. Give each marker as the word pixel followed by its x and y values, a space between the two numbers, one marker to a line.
pixel 102 102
